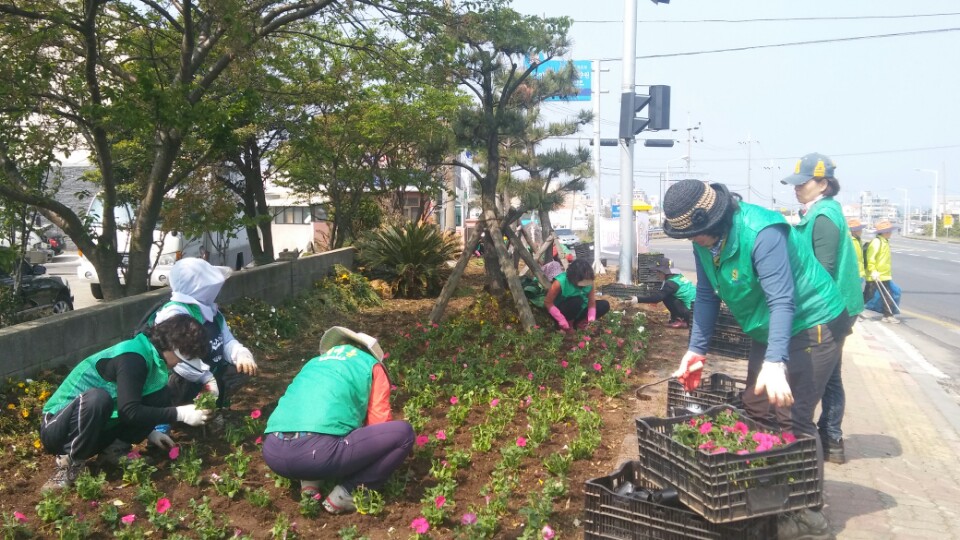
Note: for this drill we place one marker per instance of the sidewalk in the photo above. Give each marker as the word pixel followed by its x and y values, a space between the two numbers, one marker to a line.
pixel 902 441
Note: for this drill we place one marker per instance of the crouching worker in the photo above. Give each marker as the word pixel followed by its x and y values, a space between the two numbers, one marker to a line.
pixel 571 300
pixel 677 294
pixel 333 422
pixel 113 399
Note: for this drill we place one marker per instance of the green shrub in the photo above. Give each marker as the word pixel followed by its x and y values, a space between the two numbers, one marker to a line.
pixel 411 258
pixel 346 291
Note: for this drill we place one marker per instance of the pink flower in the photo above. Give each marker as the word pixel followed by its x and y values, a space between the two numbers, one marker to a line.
pixel 742 452
pixel 22 518
pixel 259 440
pixel 741 427
pixel 393 387
pixel 433 377
pixel 133 455
pixel 386 355
pixel 494 402
pixel 789 437
pixel 709 445
pixel 468 519
pixel 128 519
pixel 548 533
pixel 255 414
pixel 564 363
pixel 317 496
pixel 597 367
pixel 441 435
pixel 582 344
pixel 706 427
pixel 627 372
pixel 586 338
pixel 454 400
pixel 163 505
pixel 420 525
pixel 618 367
pixel 440 501
pixel 422 440
pixel 620 342
pixel 530 376
pixel 587 408
pixel 174 452
pixel 521 441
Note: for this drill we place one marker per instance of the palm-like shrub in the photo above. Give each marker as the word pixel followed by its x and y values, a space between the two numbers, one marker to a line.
pixel 411 258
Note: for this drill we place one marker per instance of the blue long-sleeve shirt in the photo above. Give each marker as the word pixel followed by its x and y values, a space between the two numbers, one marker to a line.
pixel 771 261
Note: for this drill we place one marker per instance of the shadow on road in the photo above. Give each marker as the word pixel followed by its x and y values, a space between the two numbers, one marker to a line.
pixel 868 501
pixel 871 446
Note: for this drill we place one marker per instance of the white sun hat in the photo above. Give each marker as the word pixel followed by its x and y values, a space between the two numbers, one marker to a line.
pixel 339 335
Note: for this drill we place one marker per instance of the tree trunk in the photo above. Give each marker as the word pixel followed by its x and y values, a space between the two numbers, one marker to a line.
pixel 546 229
pixel 451 285
pixel 528 259
pixel 510 273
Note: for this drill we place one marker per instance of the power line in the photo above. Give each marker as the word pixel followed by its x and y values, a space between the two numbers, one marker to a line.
pixel 789 44
pixel 778 19
pixel 870 153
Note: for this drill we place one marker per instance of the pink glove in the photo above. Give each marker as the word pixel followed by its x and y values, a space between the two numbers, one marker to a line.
pixel 554 311
pixel 591 314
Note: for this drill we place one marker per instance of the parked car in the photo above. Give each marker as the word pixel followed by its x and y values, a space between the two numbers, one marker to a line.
pixel 40 294
pixel 566 237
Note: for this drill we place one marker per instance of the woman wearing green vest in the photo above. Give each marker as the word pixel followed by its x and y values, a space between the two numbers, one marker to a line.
pixel 119 394
pixel 571 300
pixel 333 422
pixel 677 294
pixel 751 259
pixel 823 227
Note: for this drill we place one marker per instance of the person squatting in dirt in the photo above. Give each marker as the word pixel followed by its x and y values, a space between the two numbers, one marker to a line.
pixel 571 300
pixel 333 422
pixel 114 398
pixel 782 298
pixel 677 294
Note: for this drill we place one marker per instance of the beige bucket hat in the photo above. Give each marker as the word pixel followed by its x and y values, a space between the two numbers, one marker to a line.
pixel 339 335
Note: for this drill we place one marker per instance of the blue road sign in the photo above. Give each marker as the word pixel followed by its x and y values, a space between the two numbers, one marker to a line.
pixel 582 84
pixel 614 210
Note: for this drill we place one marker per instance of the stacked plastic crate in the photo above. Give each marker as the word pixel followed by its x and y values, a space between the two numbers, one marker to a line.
pixel 728 339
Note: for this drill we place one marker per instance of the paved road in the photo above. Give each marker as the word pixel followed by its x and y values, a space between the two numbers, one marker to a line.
pixel 65 266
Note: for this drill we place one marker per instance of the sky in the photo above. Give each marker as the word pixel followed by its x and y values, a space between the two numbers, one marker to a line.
pixel 881 108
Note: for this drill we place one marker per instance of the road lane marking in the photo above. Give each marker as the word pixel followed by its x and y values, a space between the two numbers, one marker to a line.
pixel 928 318
pixel 912 354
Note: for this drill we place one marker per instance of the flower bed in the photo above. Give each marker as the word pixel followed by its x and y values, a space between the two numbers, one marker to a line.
pixel 727 468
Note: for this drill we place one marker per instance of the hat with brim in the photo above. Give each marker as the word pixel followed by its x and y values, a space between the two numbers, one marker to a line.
pixel 811 166
pixel 854 225
pixel 692 207
pixel 339 335
pixel 885 227
pixel 663 265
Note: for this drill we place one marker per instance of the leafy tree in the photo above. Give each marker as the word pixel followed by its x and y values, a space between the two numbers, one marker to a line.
pixel 499 50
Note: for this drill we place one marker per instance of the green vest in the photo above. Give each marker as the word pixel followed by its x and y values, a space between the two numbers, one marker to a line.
pixel 330 394
pixel 816 299
pixel 686 291
pixel 847 276
pixel 570 290
pixel 85 377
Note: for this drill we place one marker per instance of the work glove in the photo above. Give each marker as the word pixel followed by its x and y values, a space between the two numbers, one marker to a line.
pixel 212 387
pixel 690 371
pixel 591 314
pixel 773 380
pixel 558 316
pixel 875 275
pixel 160 440
pixel 191 416
pixel 245 363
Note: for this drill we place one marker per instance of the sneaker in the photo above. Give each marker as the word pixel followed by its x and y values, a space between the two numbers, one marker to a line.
pixel 111 454
pixel 66 474
pixel 803 525
pixel 339 501
pixel 679 323
pixel 891 320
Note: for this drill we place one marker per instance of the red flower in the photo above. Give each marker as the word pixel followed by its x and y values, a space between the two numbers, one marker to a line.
pixel 255 414
pixel 521 441
pixel 174 452
pixel 163 505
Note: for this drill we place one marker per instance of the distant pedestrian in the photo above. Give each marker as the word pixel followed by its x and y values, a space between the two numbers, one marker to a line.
pixel 856 230
pixel 877 262
pixel 823 227
pixel 677 294
pixel 572 298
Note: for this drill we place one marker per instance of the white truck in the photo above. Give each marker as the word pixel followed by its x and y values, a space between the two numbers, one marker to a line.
pixel 168 247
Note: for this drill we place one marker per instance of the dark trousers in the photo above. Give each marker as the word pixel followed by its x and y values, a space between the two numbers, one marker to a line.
pixel 678 310
pixel 572 308
pixel 83 428
pixel 229 380
pixel 886 301
pixel 366 455
pixel 834 401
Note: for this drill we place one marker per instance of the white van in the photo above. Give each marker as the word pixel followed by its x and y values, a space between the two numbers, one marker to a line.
pixel 168 248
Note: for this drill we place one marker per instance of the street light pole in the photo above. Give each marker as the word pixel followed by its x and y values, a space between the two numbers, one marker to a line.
pixel 628 85
pixel 906 215
pixel 933 211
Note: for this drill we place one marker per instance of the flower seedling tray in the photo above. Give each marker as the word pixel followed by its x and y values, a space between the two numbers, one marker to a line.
pixel 726 487
pixel 718 389
pixel 612 513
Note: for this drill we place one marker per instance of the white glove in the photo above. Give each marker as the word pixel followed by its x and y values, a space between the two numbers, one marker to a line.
pixel 245 363
pixel 773 380
pixel 875 275
pixel 160 440
pixel 191 416
pixel 211 387
pixel 691 368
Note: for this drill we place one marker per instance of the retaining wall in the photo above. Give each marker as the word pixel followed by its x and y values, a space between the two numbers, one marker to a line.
pixel 28 348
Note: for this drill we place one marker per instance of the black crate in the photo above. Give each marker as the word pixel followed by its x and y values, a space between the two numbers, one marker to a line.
pixel 728 338
pixel 611 513
pixel 717 389
pixel 619 290
pixel 729 487
pixel 583 251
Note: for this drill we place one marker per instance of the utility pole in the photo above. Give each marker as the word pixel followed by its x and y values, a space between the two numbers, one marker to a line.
pixel 749 142
pixel 595 94
pixel 691 139
pixel 450 175
pixel 625 272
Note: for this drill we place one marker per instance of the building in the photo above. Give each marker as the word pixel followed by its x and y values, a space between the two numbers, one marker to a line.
pixel 874 208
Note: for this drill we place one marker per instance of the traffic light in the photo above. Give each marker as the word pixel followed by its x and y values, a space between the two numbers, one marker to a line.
pixel 632 103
